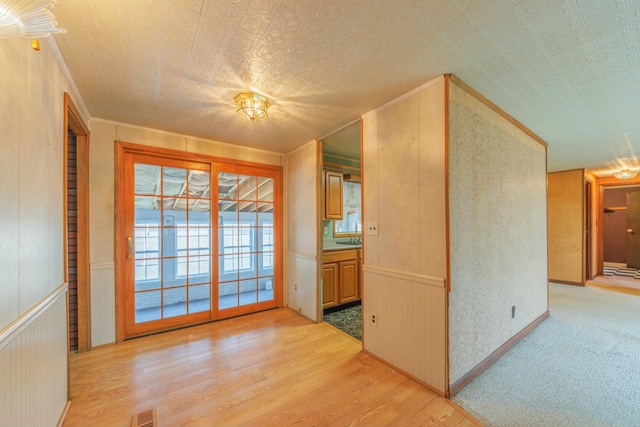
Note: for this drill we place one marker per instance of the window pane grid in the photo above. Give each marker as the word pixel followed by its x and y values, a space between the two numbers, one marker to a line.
pixel 176 249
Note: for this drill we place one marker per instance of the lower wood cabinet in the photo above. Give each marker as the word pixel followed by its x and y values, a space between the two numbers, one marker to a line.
pixel 340 277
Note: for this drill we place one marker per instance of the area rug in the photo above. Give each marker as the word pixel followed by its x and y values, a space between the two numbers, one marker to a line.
pixel 348 320
pixel 580 367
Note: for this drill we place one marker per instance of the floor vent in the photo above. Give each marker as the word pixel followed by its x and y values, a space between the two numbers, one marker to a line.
pixel 147 418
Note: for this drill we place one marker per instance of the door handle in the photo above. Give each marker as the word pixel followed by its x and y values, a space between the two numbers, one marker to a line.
pixel 129 247
pixel 630 230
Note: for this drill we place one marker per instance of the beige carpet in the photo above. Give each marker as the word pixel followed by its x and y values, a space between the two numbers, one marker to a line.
pixel 580 367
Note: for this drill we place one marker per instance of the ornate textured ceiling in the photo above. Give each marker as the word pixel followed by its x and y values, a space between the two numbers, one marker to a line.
pixel 569 69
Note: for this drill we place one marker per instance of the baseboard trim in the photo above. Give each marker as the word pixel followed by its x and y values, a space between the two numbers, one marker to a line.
pixel 419 381
pixel 109 344
pixel 566 282
pixel 64 413
pixel 493 357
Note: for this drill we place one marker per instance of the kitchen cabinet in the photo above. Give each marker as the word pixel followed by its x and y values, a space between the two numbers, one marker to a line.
pixel 340 277
pixel 332 195
pixel 330 279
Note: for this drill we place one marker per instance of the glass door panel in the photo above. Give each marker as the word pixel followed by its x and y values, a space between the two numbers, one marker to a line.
pixel 172 242
pixel 246 241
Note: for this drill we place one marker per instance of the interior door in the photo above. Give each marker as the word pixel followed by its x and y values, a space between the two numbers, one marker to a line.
pixel 633 230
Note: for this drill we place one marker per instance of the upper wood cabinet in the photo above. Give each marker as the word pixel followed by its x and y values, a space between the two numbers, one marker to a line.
pixel 332 195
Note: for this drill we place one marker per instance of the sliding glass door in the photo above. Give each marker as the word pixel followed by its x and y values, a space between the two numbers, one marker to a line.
pixel 246 241
pixel 182 262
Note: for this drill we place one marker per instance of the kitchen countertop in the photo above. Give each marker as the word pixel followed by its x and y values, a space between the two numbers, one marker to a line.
pixel 332 245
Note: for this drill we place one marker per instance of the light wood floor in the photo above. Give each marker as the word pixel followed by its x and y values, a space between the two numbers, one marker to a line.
pixel 273 368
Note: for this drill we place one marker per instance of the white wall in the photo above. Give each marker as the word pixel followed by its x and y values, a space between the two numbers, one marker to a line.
pixel 498 231
pixel 32 85
pixel 302 230
pixel 102 207
pixel 405 264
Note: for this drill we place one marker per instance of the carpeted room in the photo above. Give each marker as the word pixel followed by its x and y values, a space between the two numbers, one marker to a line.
pixel 578 368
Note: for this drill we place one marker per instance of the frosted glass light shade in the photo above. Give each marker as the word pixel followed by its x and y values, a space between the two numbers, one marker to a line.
pixel 27 18
pixel 625 174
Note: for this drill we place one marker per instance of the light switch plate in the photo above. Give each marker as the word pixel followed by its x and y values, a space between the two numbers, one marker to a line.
pixel 372 228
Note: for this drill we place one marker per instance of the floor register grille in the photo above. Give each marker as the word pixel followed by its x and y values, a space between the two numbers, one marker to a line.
pixel 147 418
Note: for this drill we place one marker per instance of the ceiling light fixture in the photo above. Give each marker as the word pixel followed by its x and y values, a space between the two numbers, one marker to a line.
pixel 625 174
pixel 27 18
pixel 252 106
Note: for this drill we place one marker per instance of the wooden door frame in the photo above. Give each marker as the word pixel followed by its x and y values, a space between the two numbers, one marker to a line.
pixel 603 183
pixel 74 121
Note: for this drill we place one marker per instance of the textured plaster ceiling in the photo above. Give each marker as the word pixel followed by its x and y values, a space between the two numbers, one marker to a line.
pixel 568 70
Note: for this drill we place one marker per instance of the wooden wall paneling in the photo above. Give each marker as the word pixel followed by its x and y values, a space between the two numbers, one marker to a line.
pixel 403 147
pixel 304 265
pixel 566 226
pixel 409 333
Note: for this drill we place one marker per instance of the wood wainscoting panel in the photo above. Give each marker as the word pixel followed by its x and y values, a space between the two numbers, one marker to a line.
pixel 33 364
pixel 103 330
pixel 409 332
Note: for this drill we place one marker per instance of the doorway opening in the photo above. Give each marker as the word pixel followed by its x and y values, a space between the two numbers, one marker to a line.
pixel 72 241
pixel 618 243
pixel 341 290
pixel 76 216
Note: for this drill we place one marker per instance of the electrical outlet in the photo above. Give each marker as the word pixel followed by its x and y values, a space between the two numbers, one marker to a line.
pixel 513 311
pixel 326 230
pixel 374 320
pixel 295 287
pixel 372 228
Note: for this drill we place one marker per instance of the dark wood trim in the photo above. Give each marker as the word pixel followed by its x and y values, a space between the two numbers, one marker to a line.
pixel 74 121
pixel 493 357
pixel 320 201
pixel 119 249
pixel 188 156
pixel 602 183
pixel 362 239
pixel 447 233
pixel 495 108
pixel 566 282
pixel 584 226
